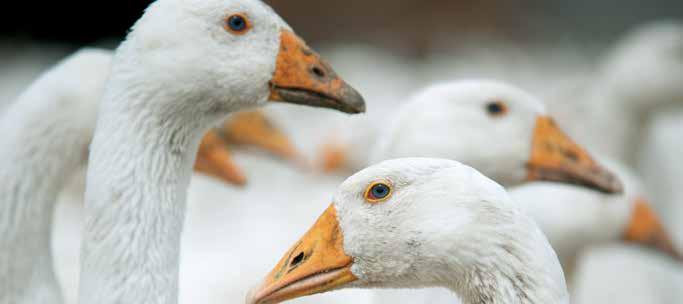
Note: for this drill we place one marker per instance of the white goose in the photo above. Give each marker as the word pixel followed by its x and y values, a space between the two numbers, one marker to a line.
pixel 577 218
pixel 494 127
pixel 583 227
pixel 641 73
pixel 662 169
pixel 46 136
pixel 413 223
pixel 48 130
pixel 662 147
pixel 185 65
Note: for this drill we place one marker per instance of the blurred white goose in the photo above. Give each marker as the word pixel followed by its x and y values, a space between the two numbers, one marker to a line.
pixel 577 218
pixel 414 223
pixel 48 130
pixel 581 225
pixel 643 71
pixel 185 65
pixel 661 166
pixel 46 136
pixel 660 152
pixel 494 127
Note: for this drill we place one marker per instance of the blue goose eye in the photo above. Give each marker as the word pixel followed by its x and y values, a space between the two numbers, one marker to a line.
pixel 237 24
pixel 378 192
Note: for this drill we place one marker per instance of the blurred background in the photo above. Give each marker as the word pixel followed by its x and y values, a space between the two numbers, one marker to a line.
pixel 557 50
pixel 408 26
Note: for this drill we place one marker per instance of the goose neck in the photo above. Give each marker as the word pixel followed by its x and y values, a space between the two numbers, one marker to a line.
pixel 139 171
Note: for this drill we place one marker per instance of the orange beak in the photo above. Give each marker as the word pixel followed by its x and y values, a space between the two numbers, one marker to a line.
pixel 556 157
pixel 317 263
pixel 646 229
pixel 302 77
pixel 334 157
pixel 214 159
pixel 255 129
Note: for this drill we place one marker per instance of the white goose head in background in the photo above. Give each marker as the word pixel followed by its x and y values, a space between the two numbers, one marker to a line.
pixel 183 68
pixel 577 218
pixel 413 223
pixel 494 127
pixel 645 69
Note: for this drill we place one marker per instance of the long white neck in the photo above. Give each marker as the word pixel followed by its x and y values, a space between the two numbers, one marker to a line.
pixel 41 147
pixel 140 167
pixel 498 285
pixel 518 267
pixel 615 112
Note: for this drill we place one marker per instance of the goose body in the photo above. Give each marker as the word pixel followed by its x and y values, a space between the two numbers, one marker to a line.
pixel 183 67
pixel 442 224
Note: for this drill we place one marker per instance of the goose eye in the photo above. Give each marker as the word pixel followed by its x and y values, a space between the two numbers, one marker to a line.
pixel 378 192
pixel 496 108
pixel 237 24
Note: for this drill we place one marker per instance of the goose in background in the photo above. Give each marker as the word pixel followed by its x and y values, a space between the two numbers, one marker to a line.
pixel 497 128
pixel 48 130
pixel 414 223
pixel 22 63
pixel 642 72
pixel 47 137
pixel 623 273
pixel 661 166
pixel 577 219
pixel 661 147
pixel 185 66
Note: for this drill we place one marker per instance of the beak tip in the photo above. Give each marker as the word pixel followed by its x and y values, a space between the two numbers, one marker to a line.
pixel 251 297
pixel 614 185
pixel 356 102
pixel 618 187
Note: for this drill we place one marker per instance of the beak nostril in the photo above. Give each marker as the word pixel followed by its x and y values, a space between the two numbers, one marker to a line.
pixel 297 260
pixel 318 71
pixel 571 155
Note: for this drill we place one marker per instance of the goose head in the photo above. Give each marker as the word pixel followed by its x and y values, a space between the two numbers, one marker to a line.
pixel 411 223
pixel 499 129
pixel 199 59
pixel 645 68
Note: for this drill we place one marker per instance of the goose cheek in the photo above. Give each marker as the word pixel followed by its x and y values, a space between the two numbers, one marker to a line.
pixel 302 77
pixel 556 157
